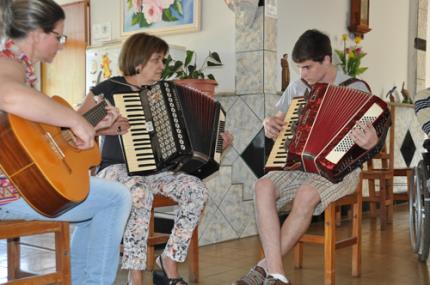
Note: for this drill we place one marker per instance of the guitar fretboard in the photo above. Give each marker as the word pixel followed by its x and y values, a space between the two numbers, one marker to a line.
pixel 97 113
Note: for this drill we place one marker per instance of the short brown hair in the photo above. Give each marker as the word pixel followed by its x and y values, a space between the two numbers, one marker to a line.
pixel 138 49
pixel 312 45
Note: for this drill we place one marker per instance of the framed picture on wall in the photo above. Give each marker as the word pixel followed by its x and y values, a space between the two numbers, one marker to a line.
pixel 159 17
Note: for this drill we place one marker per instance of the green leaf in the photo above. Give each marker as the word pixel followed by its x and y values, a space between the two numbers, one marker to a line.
pixel 143 22
pixel 361 70
pixel 135 18
pixel 214 59
pixel 129 4
pixel 178 64
pixel 178 7
pixel 188 57
pixel 167 16
pixel 167 60
pixel 210 76
pixel 191 69
pixel 181 75
pixel 177 69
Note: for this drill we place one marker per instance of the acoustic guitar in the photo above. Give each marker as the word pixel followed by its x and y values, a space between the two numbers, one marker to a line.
pixel 39 159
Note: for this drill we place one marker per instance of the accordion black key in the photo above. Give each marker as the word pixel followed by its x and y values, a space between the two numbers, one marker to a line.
pixel 171 128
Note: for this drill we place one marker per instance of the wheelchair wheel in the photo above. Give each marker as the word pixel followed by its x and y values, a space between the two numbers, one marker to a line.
pixel 416 206
pixel 423 252
pixel 419 213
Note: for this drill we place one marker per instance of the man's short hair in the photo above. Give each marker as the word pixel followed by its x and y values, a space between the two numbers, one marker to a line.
pixel 312 45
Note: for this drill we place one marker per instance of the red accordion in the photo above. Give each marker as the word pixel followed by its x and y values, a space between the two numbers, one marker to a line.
pixel 321 143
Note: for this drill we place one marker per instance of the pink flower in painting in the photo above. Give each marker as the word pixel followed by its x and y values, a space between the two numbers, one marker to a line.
pixel 152 12
pixel 147 12
pixel 137 5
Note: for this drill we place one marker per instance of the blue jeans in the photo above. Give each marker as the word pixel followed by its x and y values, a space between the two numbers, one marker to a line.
pixel 99 225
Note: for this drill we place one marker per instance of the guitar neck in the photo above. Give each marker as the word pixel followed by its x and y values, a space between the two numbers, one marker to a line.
pixel 96 114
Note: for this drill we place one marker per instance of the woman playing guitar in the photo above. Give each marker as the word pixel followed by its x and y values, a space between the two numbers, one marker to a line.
pixel 33 32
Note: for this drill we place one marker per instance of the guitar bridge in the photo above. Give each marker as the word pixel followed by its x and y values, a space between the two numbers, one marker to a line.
pixel 54 146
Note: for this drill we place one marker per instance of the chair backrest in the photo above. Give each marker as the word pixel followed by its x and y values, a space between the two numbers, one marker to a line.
pixel 391 137
pixel 386 155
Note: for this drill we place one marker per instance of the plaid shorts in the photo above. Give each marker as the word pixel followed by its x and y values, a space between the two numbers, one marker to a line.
pixel 288 182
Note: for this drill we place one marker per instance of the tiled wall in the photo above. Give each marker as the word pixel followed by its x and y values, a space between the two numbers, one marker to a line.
pixel 229 213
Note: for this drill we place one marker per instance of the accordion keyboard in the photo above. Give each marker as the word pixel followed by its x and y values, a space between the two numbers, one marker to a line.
pixel 136 142
pixel 278 156
pixel 220 141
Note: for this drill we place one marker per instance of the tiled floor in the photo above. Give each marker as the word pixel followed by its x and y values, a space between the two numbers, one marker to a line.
pixel 387 259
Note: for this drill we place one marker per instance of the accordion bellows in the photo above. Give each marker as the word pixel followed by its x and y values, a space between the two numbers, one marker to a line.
pixel 321 143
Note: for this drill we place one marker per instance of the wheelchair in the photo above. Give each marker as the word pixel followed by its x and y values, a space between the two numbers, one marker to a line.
pixel 419 207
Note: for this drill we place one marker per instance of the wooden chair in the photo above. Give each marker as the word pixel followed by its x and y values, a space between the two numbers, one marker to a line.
pixel 329 241
pixel 385 174
pixel 13 230
pixel 155 238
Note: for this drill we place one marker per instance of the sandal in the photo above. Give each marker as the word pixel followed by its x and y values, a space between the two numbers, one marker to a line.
pixel 159 277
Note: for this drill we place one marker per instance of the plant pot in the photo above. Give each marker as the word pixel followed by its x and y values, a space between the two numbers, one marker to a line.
pixel 206 86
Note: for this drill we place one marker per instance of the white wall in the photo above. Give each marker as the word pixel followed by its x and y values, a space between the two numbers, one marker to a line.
pixel 63 2
pixel 386 44
pixel 216 34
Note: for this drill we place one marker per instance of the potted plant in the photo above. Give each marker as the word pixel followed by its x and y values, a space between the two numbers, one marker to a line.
pixel 350 57
pixel 186 72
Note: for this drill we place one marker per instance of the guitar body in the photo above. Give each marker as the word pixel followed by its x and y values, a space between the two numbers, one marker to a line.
pixel 32 157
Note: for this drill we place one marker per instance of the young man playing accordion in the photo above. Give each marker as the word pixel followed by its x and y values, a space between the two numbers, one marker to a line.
pixel 310 192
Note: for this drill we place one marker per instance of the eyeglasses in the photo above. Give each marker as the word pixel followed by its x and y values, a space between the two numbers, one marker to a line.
pixel 60 38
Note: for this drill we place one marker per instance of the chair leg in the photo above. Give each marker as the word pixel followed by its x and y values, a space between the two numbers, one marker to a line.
pixel 356 232
pixel 338 216
pixel 329 244
pixel 298 255
pixel 150 256
pixel 390 200
pixel 193 257
pixel 372 195
pixel 13 258
pixel 62 246
pixel 383 212
pixel 409 179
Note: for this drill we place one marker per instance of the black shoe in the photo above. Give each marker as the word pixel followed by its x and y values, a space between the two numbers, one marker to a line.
pixel 159 277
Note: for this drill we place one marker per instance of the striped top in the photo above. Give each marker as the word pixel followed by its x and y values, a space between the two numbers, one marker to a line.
pixel 8 192
pixel 422 109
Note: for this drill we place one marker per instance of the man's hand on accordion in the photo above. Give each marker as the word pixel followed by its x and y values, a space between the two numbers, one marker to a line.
pixel 364 135
pixel 274 125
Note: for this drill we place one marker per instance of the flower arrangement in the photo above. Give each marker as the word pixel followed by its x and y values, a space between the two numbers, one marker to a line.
pixel 350 57
pixel 148 12
pixel 188 69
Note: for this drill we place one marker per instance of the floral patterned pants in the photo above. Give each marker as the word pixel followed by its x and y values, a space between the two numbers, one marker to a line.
pixel 188 191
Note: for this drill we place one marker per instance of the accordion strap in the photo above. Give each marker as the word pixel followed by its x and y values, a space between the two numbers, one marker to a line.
pixel 353 80
pixel 125 84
